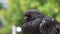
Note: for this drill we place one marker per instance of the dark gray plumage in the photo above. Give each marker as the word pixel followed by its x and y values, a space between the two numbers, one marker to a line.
pixel 32 22
pixel 37 23
pixel 49 26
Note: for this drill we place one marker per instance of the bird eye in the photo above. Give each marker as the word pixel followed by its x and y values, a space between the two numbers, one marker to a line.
pixel 31 14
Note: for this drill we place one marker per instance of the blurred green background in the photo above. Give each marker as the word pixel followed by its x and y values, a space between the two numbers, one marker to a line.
pixel 13 12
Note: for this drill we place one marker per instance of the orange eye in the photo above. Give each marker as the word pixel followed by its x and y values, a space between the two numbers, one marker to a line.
pixel 31 14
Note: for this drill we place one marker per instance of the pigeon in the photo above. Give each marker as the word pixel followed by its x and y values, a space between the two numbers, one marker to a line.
pixel 37 23
pixel 32 22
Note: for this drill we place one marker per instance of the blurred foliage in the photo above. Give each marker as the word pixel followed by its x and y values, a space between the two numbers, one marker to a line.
pixel 1 6
pixel 16 9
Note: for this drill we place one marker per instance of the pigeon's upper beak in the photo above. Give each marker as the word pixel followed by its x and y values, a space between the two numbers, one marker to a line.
pixel 25 18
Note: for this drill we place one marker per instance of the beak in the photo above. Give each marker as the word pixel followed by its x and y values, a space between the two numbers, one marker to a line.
pixel 25 18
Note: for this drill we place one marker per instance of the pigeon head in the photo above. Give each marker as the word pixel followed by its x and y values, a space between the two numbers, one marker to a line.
pixel 30 13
